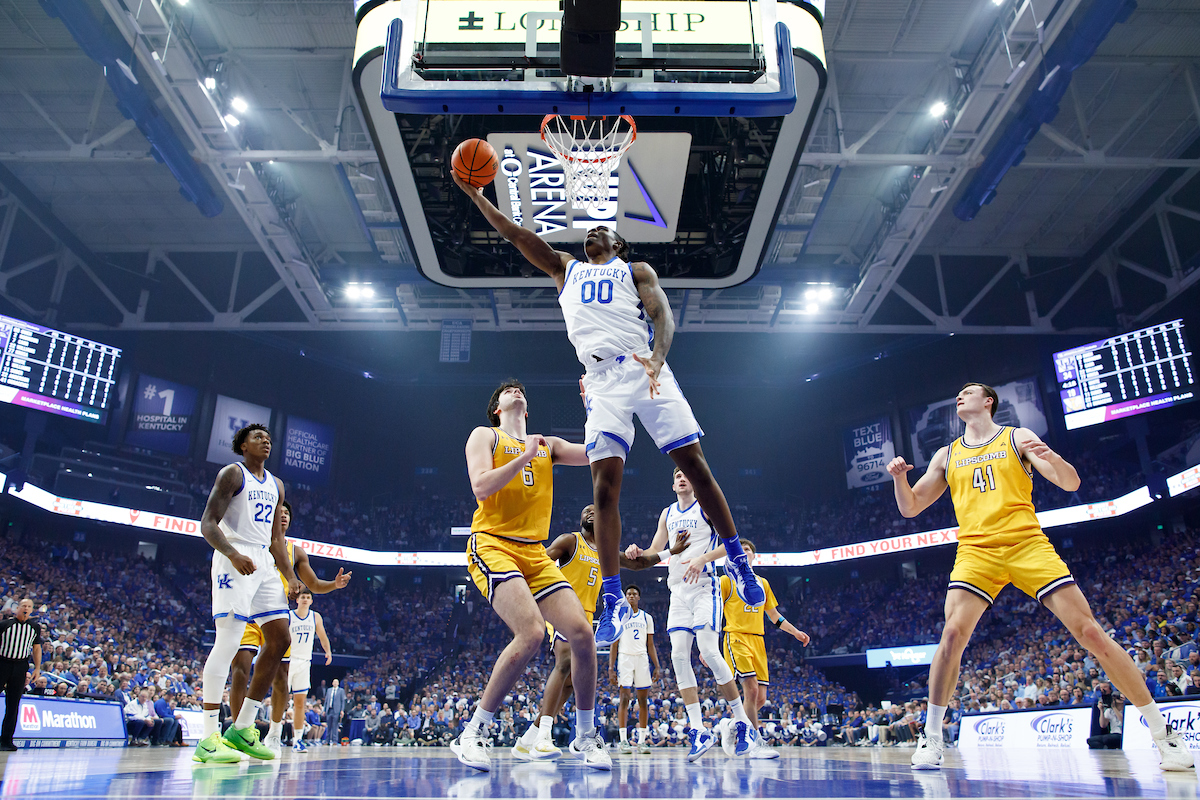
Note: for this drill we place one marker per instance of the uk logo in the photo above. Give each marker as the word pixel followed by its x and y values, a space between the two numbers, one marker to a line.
pixel 224 582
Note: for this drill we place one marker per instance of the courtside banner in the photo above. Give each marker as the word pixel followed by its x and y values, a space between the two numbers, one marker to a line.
pixel 1181 715
pixel 868 448
pixel 191 725
pixel 103 512
pixel 51 721
pixel 230 417
pixel 164 413
pixel 1059 728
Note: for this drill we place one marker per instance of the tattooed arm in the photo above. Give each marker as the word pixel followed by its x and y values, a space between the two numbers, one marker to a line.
pixel 658 309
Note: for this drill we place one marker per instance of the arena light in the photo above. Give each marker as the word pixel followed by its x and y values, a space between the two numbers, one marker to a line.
pixel 938 109
pixel 210 83
pixel 232 121
pixel 239 104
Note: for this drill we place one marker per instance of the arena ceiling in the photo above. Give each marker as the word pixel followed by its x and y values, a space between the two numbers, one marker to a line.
pixel 1098 227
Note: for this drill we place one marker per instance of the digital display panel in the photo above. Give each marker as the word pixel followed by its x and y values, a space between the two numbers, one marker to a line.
pixel 56 372
pixel 1136 372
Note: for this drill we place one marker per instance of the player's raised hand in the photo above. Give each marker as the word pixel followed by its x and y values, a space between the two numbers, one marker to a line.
pixel 243 564
pixel 471 191
pixel 802 638
pixel 633 551
pixel 342 578
pixel 898 466
pixel 681 542
pixel 652 368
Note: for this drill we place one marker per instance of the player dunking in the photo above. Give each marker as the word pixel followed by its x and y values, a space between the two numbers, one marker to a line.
pixel 989 471
pixel 620 323
pixel 252 640
pixel 241 525
pixel 512 476
pixel 575 554
pixel 694 614
pixel 746 653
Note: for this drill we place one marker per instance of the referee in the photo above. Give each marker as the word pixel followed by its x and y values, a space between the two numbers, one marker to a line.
pixel 19 636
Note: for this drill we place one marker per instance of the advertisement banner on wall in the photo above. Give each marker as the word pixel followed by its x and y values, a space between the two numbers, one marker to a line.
pixel 937 425
pixel 164 414
pixel 869 448
pixel 915 655
pixel 1181 715
pixel 1046 728
pixel 308 450
pixel 231 416
pixel 47 720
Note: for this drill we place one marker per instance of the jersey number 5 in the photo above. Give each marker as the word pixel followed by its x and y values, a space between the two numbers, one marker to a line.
pixel 593 574
pixel 978 481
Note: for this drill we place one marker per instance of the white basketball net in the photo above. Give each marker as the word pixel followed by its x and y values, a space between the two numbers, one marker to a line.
pixel 589 148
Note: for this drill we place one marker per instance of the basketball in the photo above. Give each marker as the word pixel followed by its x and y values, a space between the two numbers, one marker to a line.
pixel 475 162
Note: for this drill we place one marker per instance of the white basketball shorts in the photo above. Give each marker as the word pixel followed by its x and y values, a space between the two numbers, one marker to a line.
pixel 298 671
pixel 633 670
pixel 258 597
pixel 619 389
pixel 695 606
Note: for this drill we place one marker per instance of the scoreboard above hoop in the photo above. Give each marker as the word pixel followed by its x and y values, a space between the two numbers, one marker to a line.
pixel 501 21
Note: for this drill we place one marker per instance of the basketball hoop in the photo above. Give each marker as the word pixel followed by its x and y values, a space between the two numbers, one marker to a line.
pixel 589 148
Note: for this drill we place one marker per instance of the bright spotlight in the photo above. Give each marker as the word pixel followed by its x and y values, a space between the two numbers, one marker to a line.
pixel 810 294
pixel 239 105
pixel 367 292
pixel 825 295
pixel 353 292
pixel 210 83
pixel 232 121
pixel 938 109
pixel 812 308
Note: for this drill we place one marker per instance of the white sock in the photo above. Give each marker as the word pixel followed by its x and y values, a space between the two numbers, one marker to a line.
pixel 641 735
pixel 624 735
pixel 248 714
pixel 933 720
pixel 739 713
pixel 276 729
pixel 695 719
pixel 479 720
pixel 545 728
pixel 1154 718
pixel 585 722
pixel 212 721
pixel 530 735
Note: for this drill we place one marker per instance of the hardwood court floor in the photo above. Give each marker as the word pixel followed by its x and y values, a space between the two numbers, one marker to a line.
pixel 351 773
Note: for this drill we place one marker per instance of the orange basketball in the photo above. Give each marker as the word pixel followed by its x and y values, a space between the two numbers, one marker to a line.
pixel 475 162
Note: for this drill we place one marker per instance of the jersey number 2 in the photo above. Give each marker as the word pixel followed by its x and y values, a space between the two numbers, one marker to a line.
pixel 978 481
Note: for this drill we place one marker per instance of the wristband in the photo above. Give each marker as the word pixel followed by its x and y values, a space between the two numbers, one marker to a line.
pixel 663 555
pixel 779 622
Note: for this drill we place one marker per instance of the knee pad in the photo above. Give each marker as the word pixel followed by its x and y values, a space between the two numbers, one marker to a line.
pixel 681 659
pixel 710 648
pixel 216 668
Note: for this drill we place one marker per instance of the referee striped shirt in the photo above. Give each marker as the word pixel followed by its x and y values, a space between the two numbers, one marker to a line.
pixel 17 638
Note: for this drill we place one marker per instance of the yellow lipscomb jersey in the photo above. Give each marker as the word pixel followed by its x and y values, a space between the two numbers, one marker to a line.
pixel 583 573
pixel 992 490
pixel 520 510
pixel 741 618
pixel 291 556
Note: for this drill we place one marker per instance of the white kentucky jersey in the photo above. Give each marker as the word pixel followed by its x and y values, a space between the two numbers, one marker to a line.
pixel 304 630
pixel 251 512
pixel 701 539
pixel 603 311
pixel 633 637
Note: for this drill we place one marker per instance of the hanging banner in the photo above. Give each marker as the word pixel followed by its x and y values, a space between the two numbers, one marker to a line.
pixel 230 417
pixel 937 425
pixel 308 449
pixel 869 448
pixel 164 413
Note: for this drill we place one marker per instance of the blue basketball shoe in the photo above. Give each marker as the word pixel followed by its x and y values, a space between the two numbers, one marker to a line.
pixel 745 582
pixel 702 742
pixel 743 738
pixel 612 621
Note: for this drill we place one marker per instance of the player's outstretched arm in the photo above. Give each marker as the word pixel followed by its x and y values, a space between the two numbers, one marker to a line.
pixel 279 548
pixel 486 479
pixel 658 543
pixel 647 559
pixel 324 639
pixel 308 575
pixel 562 549
pixel 541 255
pixel 228 483
pixel 1050 464
pixel 912 500
pixel 569 453
pixel 787 627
